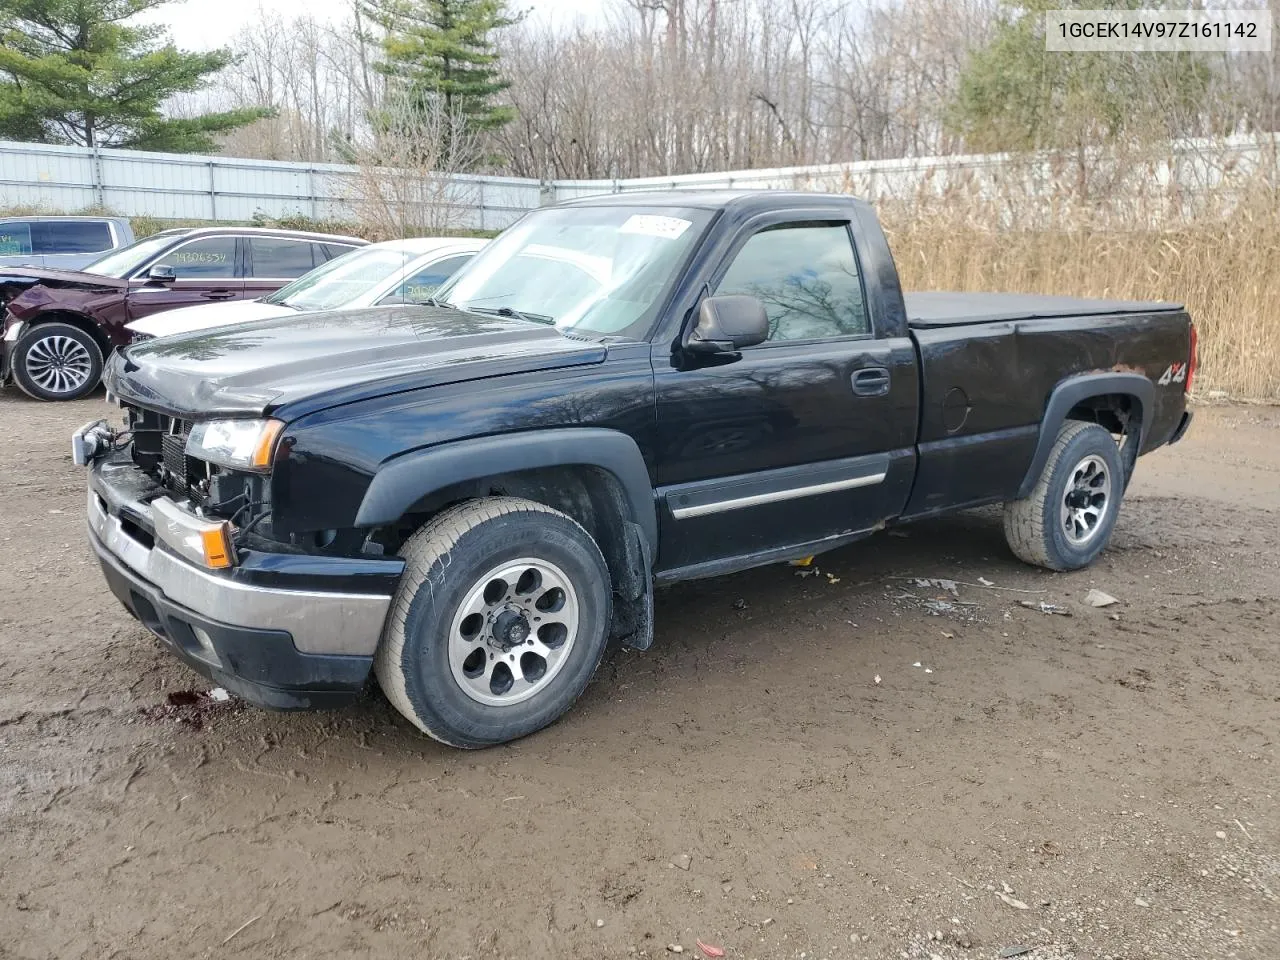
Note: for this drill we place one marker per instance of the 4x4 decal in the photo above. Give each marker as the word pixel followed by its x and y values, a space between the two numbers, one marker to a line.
pixel 1174 373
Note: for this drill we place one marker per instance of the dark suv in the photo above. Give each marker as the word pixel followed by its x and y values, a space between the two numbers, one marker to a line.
pixel 60 325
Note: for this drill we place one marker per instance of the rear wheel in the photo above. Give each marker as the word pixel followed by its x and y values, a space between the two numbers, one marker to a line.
pixel 57 361
pixel 1067 519
pixel 499 622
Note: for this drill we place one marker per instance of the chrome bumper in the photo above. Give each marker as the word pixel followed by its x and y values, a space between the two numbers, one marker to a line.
pixel 318 622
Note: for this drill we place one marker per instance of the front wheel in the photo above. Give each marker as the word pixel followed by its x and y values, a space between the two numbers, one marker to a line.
pixel 499 622
pixel 57 361
pixel 1067 519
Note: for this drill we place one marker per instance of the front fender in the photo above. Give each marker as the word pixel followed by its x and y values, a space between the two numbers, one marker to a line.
pixel 405 480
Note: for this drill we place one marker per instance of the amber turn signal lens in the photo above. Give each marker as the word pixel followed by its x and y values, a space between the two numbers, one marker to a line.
pixel 217 546
pixel 266 446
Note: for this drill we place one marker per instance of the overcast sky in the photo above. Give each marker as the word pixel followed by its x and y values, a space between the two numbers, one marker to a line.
pixel 197 25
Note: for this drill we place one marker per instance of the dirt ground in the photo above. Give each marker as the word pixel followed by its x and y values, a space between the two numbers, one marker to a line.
pixel 835 766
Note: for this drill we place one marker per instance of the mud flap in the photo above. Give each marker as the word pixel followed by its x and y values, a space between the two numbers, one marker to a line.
pixel 1129 449
pixel 633 593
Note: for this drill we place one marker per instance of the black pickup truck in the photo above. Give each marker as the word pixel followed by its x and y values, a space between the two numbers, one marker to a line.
pixel 472 498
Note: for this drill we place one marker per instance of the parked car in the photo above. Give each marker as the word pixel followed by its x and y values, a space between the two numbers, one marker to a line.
pixel 472 498
pixel 397 271
pixel 64 243
pixel 60 325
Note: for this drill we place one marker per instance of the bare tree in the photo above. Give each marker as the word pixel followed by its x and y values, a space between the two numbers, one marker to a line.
pixel 409 181
pixel 683 86
pixel 662 87
pixel 316 77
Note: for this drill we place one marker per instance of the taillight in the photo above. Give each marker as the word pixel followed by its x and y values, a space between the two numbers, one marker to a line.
pixel 1191 361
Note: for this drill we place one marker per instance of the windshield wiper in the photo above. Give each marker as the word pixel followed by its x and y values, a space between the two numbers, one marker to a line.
pixel 519 315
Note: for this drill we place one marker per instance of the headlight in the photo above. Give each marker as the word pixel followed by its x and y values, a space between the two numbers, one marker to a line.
pixel 239 444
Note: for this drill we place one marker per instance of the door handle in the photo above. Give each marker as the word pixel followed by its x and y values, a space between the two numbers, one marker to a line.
pixel 218 294
pixel 871 382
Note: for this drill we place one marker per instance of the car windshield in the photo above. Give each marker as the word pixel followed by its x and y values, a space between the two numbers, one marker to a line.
pixel 343 280
pixel 600 271
pixel 120 263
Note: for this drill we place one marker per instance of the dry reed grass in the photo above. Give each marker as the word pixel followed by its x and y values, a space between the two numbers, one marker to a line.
pixel 1222 261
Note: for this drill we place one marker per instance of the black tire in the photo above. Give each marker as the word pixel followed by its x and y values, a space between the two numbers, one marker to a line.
pixel 447 560
pixel 1048 530
pixel 37 373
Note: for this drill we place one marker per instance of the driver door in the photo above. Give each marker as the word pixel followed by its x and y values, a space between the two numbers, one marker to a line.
pixel 206 270
pixel 806 437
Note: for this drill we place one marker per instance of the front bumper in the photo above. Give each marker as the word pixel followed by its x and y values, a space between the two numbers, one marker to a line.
pixel 286 631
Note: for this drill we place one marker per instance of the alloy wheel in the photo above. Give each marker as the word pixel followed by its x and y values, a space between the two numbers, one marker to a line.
pixel 1086 500
pixel 58 364
pixel 513 631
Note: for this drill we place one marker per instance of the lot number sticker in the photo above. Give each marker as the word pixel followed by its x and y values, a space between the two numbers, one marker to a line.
pixel 668 228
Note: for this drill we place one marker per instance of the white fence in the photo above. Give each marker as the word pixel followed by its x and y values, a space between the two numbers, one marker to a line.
pixel 189 187
pixel 182 186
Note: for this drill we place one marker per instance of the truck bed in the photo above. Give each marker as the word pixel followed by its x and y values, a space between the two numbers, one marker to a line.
pixel 930 310
pixel 989 363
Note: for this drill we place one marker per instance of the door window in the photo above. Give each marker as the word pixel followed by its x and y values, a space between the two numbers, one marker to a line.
pixel 71 236
pixel 279 259
pixel 422 285
pixel 15 239
pixel 807 278
pixel 213 258
pixel 329 251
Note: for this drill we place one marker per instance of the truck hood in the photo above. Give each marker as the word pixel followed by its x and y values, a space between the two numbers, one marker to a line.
pixel 306 362
pixel 207 315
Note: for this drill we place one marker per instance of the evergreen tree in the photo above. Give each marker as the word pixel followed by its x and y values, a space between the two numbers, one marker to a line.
pixel 1016 95
pixel 75 72
pixel 443 49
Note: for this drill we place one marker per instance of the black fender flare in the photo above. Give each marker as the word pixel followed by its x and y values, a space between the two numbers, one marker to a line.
pixel 1077 389
pixel 403 481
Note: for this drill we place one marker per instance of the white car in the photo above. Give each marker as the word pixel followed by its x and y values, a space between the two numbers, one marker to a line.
pixel 397 271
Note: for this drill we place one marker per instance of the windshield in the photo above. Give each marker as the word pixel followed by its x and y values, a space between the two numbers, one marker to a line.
pixel 590 270
pixel 343 280
pixel 120 263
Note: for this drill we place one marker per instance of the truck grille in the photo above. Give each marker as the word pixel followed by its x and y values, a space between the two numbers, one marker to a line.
pixel 173 454
pixel 159 447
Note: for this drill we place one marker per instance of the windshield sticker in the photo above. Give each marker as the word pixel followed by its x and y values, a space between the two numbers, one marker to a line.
pixel 669 228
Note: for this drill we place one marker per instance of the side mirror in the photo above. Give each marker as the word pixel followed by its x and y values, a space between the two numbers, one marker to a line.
pixel 161 273
pixel 728 324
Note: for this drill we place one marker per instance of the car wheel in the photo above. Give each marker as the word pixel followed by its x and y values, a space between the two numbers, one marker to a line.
pixel 1067 519
pixel 499 622
pixel 57 361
